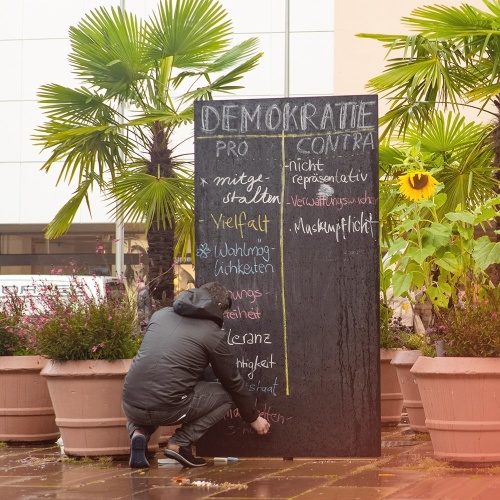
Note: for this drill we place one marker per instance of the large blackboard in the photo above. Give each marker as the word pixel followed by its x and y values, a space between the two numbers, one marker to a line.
pixel 287 219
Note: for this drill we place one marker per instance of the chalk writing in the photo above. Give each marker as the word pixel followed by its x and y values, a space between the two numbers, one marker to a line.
pixel 237 267
pixel 258 252
pixel 240 221
pixel 342 228
pixel 258 197
pixel 242 250
pixel 231 148
pixel 241 178
pixel 203 251
pixel 331 201
pixel 244 294
pixel 267 412
pixel 331 143
pixel 252 365
pixel 245 118
pixel 338 178
pixel 248 338
pixel 259 387
pixel 239 313
pixel 304 166
pixel 232 430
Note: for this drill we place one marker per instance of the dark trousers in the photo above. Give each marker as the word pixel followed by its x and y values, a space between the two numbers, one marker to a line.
pixel 209 405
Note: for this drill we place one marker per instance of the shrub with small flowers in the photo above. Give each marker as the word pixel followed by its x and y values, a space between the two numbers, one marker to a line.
pixel 471 330
pixel 15 340
pixel 80 323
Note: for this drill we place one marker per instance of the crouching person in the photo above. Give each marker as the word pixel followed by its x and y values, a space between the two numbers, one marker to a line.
pixel 163 385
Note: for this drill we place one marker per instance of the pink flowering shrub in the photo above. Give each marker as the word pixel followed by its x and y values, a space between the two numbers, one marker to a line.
pixel 472 329
pixel 15 340
pixel 79 323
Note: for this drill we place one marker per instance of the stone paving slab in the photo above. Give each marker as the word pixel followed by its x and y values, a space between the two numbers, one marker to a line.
pixel 406 469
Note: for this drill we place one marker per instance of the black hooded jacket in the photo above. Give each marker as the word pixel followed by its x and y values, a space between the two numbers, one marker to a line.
pixel 179 344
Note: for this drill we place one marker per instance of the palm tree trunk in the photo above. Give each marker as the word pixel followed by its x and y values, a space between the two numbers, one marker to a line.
pixel 495 272
pixel 161 269
pixel 160 235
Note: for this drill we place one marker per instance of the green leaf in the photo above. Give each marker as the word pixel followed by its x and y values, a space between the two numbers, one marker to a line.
pixel 417 275
pixel 486 252
pixel 439 294
pixel 420 254
pixel 396 248
pixel 467 233
pixel 465 217
pixel 449 262
pixel 401 283
pixel 486 214
pixel 437 235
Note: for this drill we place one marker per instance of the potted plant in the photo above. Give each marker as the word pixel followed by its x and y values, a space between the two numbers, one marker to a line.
pixel 435 252
pixel 26 411
pixel 90 338
pixel 459 389
pixel 397 341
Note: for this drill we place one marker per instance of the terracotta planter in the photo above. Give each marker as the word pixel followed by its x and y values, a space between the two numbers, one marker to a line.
pixel 26 412
pixel 404 361
pixel 462 407
pixel 87 401
pixel 391 397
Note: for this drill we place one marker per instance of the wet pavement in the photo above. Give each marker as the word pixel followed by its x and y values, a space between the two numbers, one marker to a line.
pixel 405 470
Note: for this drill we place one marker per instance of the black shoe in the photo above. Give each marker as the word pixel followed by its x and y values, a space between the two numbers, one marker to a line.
pixel 185 457
pixel 138 447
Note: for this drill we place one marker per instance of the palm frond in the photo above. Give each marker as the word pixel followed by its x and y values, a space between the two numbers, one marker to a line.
pixel 142 197
pixel 226 82
pixel 446 134
pixel 184 235
pixel 191 31
pixel 108 50
pixel 65 216
pixel 83 151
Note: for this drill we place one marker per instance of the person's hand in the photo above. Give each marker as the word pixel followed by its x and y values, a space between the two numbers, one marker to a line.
pixel 261 425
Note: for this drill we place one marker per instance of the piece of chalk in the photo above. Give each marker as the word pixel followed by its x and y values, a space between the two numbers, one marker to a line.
pixel 168 461
pixel 226 459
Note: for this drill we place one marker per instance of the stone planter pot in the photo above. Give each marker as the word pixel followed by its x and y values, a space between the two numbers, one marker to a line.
pixel 391 397
pixel 26 412
pixel 404 361
pixel 462 407
pixel 87 402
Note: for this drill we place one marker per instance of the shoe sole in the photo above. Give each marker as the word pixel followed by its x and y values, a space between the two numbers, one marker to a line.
pixel 138 448
pixel 181 459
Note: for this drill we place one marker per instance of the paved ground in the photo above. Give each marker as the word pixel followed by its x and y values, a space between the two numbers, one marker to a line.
pixel 406 470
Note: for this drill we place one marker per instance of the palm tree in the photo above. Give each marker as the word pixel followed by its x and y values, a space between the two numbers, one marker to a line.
pixel 451 60
pixel 138 82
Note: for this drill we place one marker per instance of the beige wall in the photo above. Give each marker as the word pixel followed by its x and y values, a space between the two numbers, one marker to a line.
pixel 358 59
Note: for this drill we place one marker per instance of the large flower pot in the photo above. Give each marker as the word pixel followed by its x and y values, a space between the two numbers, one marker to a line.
pixel 87 401
pixel 391 397
pixel 462 407
pixel 26 412
pixel 404 361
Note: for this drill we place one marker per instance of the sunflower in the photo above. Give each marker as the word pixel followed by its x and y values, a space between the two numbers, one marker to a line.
pixel 417 185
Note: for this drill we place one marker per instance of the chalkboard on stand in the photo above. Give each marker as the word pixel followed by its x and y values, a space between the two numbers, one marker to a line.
pixel 286 213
